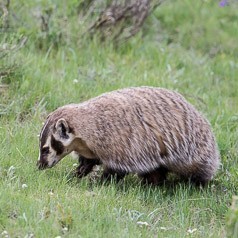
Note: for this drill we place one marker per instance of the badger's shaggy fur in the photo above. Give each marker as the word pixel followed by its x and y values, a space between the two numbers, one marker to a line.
pixel 143 130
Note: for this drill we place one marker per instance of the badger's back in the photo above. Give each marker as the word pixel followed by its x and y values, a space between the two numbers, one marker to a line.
pixel 140 129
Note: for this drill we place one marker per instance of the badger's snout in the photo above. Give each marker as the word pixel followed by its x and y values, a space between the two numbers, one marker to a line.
pixel 42 164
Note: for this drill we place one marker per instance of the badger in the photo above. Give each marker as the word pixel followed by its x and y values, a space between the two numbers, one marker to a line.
pixel 145 130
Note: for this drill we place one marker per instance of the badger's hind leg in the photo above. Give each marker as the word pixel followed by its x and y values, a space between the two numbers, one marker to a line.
pixel 85 166
pixel 109 174
pixel 201 178
pixel 155 177
pixel 198 176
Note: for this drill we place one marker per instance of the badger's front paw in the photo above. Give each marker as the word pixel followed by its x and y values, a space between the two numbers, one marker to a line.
pixel 85 166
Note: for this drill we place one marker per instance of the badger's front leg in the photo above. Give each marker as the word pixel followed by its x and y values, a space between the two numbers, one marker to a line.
pixel 85 166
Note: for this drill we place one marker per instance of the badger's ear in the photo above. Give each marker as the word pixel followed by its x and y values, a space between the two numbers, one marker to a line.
pixel 62 128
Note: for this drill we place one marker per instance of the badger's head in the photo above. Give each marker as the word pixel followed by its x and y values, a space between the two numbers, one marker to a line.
pixel 56 139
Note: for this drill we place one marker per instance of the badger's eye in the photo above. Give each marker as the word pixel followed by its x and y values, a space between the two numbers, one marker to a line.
pixel 45 150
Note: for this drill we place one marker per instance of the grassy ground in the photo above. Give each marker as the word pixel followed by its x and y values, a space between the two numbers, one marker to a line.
pixel 185 46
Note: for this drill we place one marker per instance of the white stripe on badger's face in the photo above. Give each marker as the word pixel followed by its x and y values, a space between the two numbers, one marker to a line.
pixel 40 136
pixel 43 129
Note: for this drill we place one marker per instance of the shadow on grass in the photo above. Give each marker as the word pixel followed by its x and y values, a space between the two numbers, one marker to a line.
pixel 170 187
pixel 173 189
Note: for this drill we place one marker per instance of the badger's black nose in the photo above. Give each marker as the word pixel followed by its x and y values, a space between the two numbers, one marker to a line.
pixel 42 164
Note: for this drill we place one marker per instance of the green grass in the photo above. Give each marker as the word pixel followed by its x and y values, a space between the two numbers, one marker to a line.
pixel 188 47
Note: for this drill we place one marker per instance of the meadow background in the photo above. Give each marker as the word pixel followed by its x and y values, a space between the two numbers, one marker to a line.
pixel 187 46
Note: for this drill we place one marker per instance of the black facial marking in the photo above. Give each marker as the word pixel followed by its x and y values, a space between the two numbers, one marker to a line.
pixel 57 146
pixel 45 150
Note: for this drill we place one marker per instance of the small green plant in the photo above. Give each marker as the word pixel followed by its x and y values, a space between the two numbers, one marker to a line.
pixel 64 217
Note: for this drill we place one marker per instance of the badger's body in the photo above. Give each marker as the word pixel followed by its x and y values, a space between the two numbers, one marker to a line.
pixel 143 130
